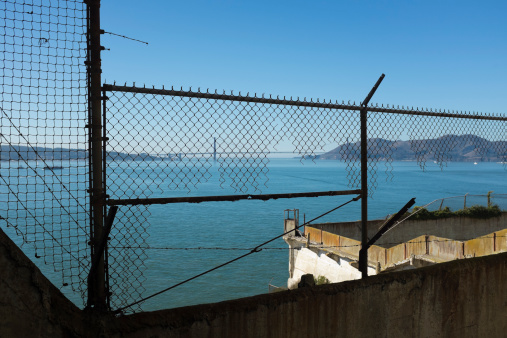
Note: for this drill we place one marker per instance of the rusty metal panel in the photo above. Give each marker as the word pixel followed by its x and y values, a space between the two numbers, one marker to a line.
pixel 315 234
pixel 377 254
pixel 310 230
pixel 330 240
pixel 501 240
pixel 481 246
pixel 416 246
pixel 396 254
pixel 445 248
pixel 350 246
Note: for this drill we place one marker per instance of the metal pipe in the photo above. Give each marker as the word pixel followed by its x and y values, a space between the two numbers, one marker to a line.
pixel 363 253
pixel 372 91
pixel 100 250
pixel 227 198
pixel 214 150
pixel 104 185
pixel 297 103
pixel 390 223
pixel 96 285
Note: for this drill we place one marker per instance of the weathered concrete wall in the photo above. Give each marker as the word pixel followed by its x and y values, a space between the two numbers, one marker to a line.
pixel 460 228
pixel 30 306
pixel 437 248
pixel 465 298
pixel 319 263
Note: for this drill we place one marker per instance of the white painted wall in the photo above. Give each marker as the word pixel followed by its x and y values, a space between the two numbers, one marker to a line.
pixel 304 260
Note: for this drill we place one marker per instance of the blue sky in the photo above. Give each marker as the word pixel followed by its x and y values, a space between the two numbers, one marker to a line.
pixel 438 54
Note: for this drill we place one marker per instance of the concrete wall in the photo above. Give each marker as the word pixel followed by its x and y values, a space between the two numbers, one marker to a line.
pixel 321 263
pixel 459 228
pixel 463 298
pixel 30 306
pixel 437 248
pixel 335 257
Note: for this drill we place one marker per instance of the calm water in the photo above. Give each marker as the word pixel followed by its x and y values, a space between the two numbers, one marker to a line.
pixel 245 224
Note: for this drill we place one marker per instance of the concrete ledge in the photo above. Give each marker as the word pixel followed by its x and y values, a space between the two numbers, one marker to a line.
pixel 465 298
pixel 460 298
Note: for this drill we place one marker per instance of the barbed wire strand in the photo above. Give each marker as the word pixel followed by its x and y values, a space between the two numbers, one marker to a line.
pixel 40 224
pixel 126 37
pixel 43 161
pixel 287 248
pixel 48 188
pixel 252 251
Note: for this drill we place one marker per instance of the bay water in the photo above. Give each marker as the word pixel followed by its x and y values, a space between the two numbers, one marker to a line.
pixel 187 239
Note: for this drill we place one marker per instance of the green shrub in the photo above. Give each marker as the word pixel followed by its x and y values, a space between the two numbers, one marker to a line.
pixel 475 211
pixel 478 211
pixel 321 280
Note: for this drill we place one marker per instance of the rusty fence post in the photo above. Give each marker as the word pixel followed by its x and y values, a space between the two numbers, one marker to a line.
pixel 363 253
pixel 96 285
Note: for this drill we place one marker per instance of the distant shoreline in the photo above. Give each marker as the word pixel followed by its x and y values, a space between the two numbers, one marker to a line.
pixel 448 148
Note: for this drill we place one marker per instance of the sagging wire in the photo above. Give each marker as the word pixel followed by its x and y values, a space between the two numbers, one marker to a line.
pixel 126 37
pixel 252 251
pixel 46 166
pixel 40 224
pixel 39 156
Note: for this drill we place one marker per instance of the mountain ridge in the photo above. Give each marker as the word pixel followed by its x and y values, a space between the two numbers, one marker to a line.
pixel 447 148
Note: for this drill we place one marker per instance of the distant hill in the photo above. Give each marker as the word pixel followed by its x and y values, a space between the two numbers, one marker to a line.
pixel 16 153
pixel 458 148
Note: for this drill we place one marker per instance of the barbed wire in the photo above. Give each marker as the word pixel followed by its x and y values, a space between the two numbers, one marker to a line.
pixel 256 249
pixel 126 37
pixel 50 233
pixel 44 111
pixel 47 167
pixel 161 139
pixel 316 244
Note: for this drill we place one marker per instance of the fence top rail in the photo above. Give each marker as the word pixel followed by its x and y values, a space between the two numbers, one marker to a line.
pixel 229 198
pixel 299 103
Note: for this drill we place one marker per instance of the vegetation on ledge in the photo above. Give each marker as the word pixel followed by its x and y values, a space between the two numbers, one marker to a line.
pixel 475 211
pixel 320 280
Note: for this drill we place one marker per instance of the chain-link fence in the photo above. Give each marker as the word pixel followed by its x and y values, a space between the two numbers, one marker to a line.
pixel 43 141
pixel 168 140
pixel 158 140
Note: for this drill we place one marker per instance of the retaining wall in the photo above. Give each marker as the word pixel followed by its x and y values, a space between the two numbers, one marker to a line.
pixel 459 228
pixel 465 298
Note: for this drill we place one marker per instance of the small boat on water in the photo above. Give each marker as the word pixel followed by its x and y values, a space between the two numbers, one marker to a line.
pixel 475 162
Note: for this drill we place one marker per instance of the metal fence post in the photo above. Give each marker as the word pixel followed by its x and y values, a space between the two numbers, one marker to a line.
pixel 363 253
pixel 489 199
pixel 96 284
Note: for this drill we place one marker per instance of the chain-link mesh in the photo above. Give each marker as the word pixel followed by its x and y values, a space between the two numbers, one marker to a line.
pixel 445 139
pixel 127 255
pixel 43 141
pixel 162 140
pixel 165 142
pixel 173 140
